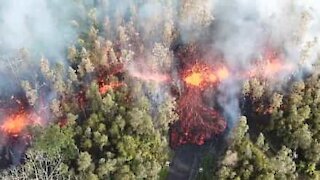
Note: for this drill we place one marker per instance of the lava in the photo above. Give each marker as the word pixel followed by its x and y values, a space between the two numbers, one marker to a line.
pixel 195 79
pixel 103 79
pixel 201 75
pixel 198 122
pixel 15 124
pixel 270 69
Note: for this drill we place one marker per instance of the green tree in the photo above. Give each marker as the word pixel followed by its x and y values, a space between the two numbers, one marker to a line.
pixel 84 161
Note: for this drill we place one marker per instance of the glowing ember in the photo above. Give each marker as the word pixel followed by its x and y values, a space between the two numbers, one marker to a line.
pixel 105 88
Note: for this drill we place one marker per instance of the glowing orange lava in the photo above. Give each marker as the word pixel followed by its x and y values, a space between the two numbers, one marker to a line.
pixel 202 75
pixel 198 122
pixel 195 79
pixel 15 124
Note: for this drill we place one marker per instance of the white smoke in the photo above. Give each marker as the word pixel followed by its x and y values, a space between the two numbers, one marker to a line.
pixel 41 27
pixel 243 29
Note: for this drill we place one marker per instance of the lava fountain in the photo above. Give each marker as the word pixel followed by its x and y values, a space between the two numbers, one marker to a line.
pixel 198 122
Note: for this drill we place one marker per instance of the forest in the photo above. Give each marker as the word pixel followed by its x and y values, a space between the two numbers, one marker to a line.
pixel 106 89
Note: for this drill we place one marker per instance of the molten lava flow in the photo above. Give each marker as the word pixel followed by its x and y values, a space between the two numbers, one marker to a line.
pixel 15 124
pixel 105 88
pixel 201 75
pixel 195 79
pixel 197 123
